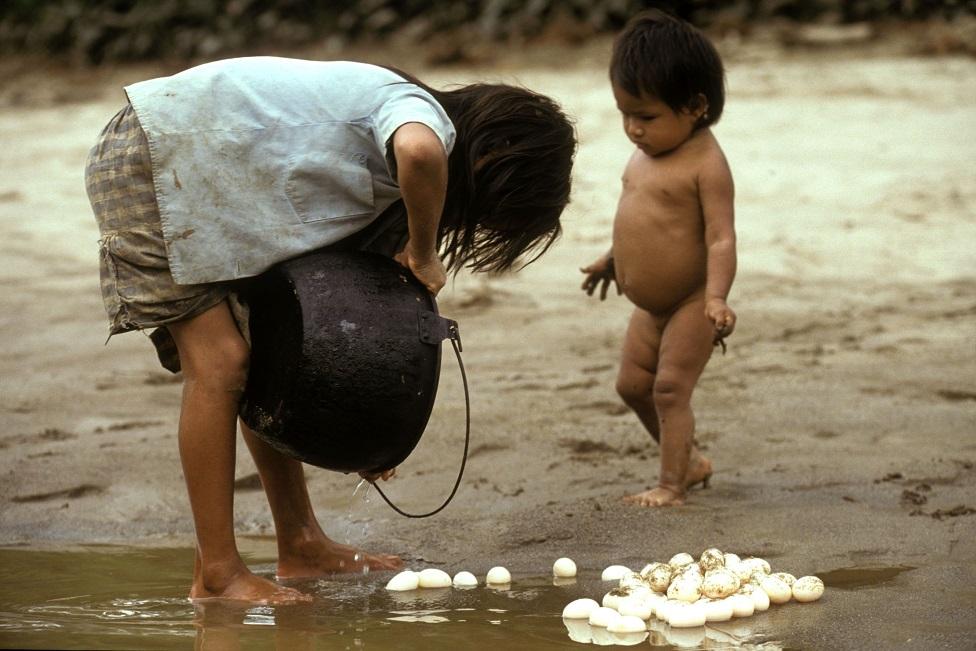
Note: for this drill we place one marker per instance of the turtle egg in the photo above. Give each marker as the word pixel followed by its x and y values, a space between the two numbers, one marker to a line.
pixel 498 575
pixel 612 598
pixel 627 624
pixel 465 580
pixel 636 606
pixel 646 572
pixel 660 578
pixel 579 609
pixel 685 588
pixel 778 591
pixel 742 605
pixel 603 616
pixel 632 580
pixel 681 559
pixel 731 559
pixel 785 577
pixel 614 572
pixel 718 610
pixel 564 568
pixel 711 559
pixel 759 599
pixel 719 583
pixel 405 580
pixel 755 563
pixel 434 578
pixel 808 588
pixel 686 615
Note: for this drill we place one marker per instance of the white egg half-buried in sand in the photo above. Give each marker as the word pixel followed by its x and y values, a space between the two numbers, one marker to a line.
pixel 433 578
pixel 564 568
pixel 498 576
pixel 579 609
pixel 720 583
pixel 465 580
pixel 808 588
pixel 636 606
pixel 742 605
pixel 602 616
pixel 778 591
pixel 614 572
pixel 718 610
pixel 627 624
pixel 686 616
pixel 405 580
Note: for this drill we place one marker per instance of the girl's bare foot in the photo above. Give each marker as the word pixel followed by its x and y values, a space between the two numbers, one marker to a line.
pixel 246 586
pixel 699 471
pixel 657 496
pixel 324 556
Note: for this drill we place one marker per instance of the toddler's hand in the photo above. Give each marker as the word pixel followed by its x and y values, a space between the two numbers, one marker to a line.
pixel 721 316
pixel 371 477
pixel 428 269
pixel 602 273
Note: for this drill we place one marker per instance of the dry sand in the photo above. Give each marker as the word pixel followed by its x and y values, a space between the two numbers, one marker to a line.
pixel 842 421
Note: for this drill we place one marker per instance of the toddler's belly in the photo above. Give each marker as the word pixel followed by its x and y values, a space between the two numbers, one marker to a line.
pixel 659 276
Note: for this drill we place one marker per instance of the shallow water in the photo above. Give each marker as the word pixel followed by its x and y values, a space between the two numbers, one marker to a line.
pixel 109 597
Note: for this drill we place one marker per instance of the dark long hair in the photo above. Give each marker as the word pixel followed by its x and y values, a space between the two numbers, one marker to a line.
pixel 509 175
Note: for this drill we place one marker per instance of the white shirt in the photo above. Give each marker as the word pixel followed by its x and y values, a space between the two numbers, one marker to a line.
pixel 258 159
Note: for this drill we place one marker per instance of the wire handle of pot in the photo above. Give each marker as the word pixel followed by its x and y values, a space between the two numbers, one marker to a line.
pixel 455 336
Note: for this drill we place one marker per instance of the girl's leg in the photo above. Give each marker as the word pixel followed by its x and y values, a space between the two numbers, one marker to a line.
pixel 303 548
pixel 686 345
pixel 214 358
pixel 635 385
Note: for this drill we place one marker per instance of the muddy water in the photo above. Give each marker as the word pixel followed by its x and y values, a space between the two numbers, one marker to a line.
pixel 126 598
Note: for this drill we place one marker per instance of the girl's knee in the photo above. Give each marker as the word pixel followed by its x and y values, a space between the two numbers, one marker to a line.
pixel 223 366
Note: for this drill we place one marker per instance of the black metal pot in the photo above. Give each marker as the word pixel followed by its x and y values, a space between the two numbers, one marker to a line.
pixel 345 360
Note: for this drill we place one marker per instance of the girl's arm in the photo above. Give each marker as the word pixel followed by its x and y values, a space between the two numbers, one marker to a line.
pixel 422 175
pixel 717 194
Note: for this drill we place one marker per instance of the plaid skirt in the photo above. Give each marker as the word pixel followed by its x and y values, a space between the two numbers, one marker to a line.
pixel 137 287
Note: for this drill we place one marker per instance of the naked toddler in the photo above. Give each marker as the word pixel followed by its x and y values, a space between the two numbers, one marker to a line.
pixel 673 253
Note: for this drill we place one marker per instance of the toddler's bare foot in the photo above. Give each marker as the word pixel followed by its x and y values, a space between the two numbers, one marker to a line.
pixel 245 586
pixel 657 496
pixel 325 556
pixel 699 472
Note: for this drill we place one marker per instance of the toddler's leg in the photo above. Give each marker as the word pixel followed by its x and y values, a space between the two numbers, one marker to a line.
pixel 214 358
pixel 686 345
pixel 635 385
pixel 303 548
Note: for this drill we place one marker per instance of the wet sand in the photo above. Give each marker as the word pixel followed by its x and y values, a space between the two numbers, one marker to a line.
pixel 841 422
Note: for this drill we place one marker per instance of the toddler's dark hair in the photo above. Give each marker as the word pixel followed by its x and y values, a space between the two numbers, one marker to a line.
pixel 669 59
pixel 509 175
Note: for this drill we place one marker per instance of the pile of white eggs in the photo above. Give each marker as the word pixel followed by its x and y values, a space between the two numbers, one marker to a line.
pixel 688 593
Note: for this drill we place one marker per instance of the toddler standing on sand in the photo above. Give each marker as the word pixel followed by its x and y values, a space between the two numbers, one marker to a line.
pixel 673 252
pixel 211 176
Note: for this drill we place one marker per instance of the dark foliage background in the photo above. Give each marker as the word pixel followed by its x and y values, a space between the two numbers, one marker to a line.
pixel 96 31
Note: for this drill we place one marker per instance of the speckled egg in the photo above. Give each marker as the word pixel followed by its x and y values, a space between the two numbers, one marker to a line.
pixel 711 559
pixel 660 578
pixel 785 577
pixel 685 588
pixel 719 583
pixel 778 591
pixel 681 559
pixel 808 588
